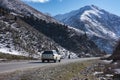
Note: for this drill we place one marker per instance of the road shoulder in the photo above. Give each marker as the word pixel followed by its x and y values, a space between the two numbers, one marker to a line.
pixel 64 71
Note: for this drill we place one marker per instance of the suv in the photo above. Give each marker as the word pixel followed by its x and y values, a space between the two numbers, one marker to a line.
pixel 51 55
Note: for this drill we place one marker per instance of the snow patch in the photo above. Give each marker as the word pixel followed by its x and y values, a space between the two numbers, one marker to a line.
pixel 9 51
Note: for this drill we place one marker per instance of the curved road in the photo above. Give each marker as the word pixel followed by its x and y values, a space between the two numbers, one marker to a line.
pixel 13 66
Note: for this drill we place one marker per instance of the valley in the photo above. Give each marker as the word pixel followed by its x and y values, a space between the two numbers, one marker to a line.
pixel 82 38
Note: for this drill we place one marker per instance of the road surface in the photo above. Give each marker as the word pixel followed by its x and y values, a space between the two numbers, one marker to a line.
pixel 13 66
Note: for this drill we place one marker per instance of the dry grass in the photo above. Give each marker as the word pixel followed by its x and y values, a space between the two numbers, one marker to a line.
pixel 71 71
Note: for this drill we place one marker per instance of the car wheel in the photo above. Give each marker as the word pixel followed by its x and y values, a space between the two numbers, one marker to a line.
pixel 43 61
pixel 54 61
pixel 59 60
pixel 48 61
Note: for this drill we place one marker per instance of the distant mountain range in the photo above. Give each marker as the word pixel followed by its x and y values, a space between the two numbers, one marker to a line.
pixel 27 31
pixel 102 27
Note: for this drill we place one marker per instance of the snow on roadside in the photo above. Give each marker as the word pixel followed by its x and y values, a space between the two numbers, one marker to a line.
pixel 9 51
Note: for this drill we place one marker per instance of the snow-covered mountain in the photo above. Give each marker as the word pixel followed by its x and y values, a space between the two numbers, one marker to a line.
pixel 28 31
pixel 101 26
pixel 19 38
pixel 21 8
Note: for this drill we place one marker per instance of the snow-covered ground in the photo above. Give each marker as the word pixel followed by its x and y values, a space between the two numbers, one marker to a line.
pixel 6 50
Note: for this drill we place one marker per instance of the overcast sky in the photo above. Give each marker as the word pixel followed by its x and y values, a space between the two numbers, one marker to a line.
pixel 55 7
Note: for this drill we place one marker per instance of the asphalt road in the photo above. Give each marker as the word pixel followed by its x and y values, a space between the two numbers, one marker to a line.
pixel 13 66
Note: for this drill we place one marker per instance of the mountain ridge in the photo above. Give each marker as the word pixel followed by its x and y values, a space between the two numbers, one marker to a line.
pixel 21 8
pixel 97 23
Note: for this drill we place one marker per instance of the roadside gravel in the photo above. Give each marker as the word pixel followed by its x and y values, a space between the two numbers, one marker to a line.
pixel 55 71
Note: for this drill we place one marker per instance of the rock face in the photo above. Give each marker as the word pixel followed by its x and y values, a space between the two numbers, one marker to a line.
pixel 101 26
pixel 116 53
pixel 20 7
pixel 27 31
pixel 18 37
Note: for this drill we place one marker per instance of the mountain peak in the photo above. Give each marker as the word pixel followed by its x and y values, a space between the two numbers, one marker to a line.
pixel 89 7
pixel 94 6
pixel 82 11
pixel 102 26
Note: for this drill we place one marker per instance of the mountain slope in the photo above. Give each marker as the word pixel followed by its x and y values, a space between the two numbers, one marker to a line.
pixel 101 26
pixel 116 53
pixel 23 9
pixel 69 38
pixel 39 32
pixel 18 37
